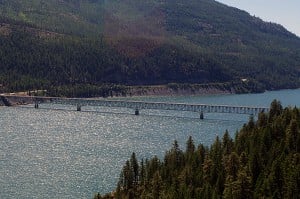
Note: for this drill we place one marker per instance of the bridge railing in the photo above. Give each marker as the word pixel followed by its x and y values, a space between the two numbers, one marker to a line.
pixel 139 105
pixel 205 108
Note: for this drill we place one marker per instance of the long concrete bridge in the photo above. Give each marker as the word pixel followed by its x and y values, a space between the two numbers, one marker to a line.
pixel 140 105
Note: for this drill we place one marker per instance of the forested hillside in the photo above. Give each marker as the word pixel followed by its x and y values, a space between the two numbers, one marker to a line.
pixel 59 44
pixel 262 161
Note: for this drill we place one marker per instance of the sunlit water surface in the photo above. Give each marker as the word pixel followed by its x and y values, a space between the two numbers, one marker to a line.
pixel 57 152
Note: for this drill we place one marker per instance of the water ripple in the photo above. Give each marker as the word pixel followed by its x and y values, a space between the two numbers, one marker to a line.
pixel 63 153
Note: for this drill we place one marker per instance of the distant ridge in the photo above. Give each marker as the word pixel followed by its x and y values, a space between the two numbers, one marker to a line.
pixel 61 43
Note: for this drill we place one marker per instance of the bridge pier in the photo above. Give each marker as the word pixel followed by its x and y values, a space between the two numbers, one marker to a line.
pixel 137 112
pixel 36 104
pixel 78 107
pixel 201 116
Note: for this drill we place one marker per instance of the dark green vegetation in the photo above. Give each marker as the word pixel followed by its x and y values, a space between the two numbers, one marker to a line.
pixel 61 45
pixel 263 161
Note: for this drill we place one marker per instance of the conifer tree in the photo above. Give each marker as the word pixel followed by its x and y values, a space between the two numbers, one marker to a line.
pixel 128 176
pixel 157 185
pixel 135 169
pixel 190 147
pixel 262 162
pixel 292 136
pixel 262 119
pixel 231 165
pixel 227 143
pixel 142 174
pixel 275 110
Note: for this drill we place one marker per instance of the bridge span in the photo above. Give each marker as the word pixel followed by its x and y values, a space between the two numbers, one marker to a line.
pixel 140 105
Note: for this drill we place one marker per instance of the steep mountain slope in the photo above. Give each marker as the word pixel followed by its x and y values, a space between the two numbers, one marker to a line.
pixel 141 42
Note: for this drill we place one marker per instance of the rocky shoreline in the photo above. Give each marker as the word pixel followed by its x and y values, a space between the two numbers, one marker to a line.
pixel 169 91
pixel 153 90
pixel 15 99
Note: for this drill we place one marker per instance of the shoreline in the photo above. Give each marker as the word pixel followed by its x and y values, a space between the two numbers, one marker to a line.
pixel 165 90
pixel 22 98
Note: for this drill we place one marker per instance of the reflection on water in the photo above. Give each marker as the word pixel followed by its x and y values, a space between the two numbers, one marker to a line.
pixel 46 153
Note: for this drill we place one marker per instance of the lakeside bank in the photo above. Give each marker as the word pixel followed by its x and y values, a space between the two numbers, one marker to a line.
pixel 120 91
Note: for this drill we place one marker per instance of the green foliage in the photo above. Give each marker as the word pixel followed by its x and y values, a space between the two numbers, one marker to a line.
pixel 94 42
pixel 263 167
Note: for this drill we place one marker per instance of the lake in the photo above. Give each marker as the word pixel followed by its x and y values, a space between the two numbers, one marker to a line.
pixel 57 152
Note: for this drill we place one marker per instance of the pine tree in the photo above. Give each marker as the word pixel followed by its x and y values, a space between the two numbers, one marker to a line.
pixel 255 166
pixel 244 187
pixel 157 185
pixel 262 120
pixel 231 165
pixel 243 159
pixel 275 110
pixel 190 157
pixel 142 174
pixel 240 188
pixel 97 196
pixel 227 143
pixel 292 176
pixel 251 123
pixel 228 190
pixel 135 169
pixel 151 167
pixel 190 147
pixel 276 179
pixel 217 170
pixel 292 136
pixel 128 176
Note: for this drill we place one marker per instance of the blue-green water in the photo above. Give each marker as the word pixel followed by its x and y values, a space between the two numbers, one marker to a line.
pixel 47 153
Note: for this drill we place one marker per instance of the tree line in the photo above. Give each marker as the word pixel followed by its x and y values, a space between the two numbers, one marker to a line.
pixel 29 62
pixel 262 161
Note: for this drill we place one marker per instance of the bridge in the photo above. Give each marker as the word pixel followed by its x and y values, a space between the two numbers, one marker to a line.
pixel 139 105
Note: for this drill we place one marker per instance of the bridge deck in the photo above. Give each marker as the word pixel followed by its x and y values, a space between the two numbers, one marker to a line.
pixel 139 105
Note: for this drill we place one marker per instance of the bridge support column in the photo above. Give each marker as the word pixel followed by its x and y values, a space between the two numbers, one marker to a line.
pixel 201 116
pixel 36 104
pixel 78 107
pixel 137 112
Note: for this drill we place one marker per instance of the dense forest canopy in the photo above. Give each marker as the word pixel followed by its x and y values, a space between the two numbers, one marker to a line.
pixel 262 161
pixel 86 43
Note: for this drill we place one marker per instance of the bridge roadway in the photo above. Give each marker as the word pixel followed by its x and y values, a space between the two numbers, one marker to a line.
pixel 139 105
pixel 136 105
